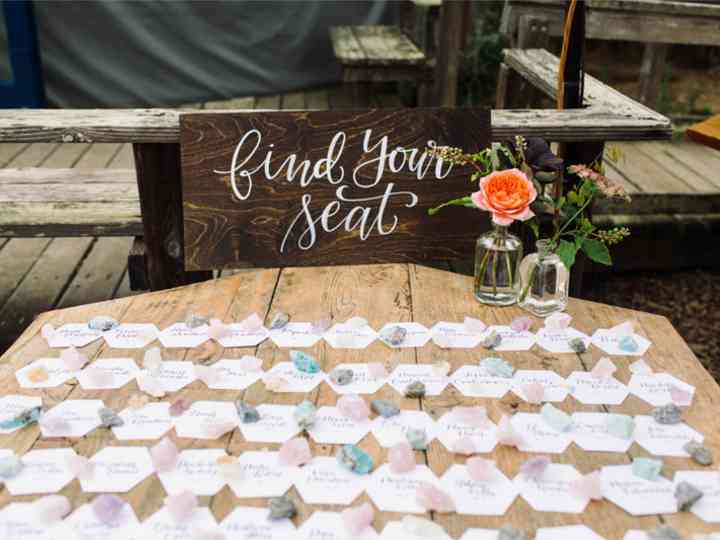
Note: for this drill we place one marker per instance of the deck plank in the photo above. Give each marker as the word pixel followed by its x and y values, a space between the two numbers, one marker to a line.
pixel 636 165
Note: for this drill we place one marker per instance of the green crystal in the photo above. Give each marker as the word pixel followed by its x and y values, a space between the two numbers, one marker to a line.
pixel 354 459
pixel 304 362
pixel 620 425
pixel 24 418
pixel 497 367
pixel 647 468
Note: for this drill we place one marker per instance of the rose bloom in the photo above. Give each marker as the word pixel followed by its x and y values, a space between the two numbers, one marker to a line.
pixel 507 195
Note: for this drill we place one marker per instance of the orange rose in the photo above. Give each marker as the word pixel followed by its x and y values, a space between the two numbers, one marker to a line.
pixel 507 195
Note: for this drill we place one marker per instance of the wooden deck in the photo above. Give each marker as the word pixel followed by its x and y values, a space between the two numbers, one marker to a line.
pixel 672 182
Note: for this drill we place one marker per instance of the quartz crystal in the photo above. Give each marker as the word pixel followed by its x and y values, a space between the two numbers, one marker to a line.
pixel 433 499
pixel 508 532
pixel 305 414
pixel 621 426
pixel 152 360
pixel 321 325
pixel 385 408
pixel 480 469
pixel 354 459
pixel 107 508
pixel 109 418
pixel 664 532
pixel 304 362
pixel 588 487
pixel 358 518
pixel 218 429
pixel 341 376
pixel 253 323
pixel 699 453
pixel 246 412
pixel 275 384
pixel 218 330
pixel 179 406
pixel 282 508
pixel 294 453
pixel 80 466
pixel 555 418
pixel 38 374
pixel 149 384
pixel 534 392
pixel 577 345
pixel 492 340
pixel 604 369
pixel 414 390
pixel 164 455
pixel 353 407
pixel 279 321
pixel 401 458
pixel 667 414
pixel 474 326
pixel 647 468
pixel 51 509
pixel 506 433
pixel 10 467
pixel 521 324
pixel 194 320
pixel 54 423
pixel 680 396
pixel 22 419
pixel 73 359
pixel 417 438
pixel 686 496
pixel 393 335
pixel 628 344
pixel 181 506
pixel 102 323
pixel 558 321
pixel 230 468
pixel 497 367
pixel 534 468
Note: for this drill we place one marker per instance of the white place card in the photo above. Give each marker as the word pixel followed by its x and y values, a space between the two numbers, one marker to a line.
pixel 57 373
pixel 362 382
pixel 118 469
pixel 330 526
pixel 450 429
pixel 276 425
pixel 13 404
pixel 260 475
pixel 416 334
pixel 709 483
pixel 149 422
pixel 592 390
pixel 197 471
pixel 173 375
pixel 162 525
pixel 131 336
pixel 232 376
pixel 538 436
pixel 296 381
pixel 552 492
pixel 73 335
pixel 71 418
pixel 397 530
pixel 347 336
pixel 491 497
pixel 333 427
pixel 657 388
pixel 323 481
pixel 106 373
pixel 636 495
pixel 567 532
pixel 590 433
pixel 609 341
pixel 82 524
pixel 663 439
pixel 556 388
pixel 393 430
pixel 295 334
pixel 251 523
pixel 405 374
pixel 449 335
pixel 558 341
pixel 207 420
pixel 241 337
pixel 181 336
pixel 512 340
pixel 397 492
pixel 18 521
pixel 44 471
pixel 474 381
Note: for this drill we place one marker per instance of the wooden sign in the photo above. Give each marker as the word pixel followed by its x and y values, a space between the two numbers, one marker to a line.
pixel 326 187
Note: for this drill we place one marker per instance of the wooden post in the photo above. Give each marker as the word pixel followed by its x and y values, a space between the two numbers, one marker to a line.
pixel 651 72
pixel 447 66
pixel 160 190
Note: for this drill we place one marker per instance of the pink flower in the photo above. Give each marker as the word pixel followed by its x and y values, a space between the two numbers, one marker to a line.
pixel 507 195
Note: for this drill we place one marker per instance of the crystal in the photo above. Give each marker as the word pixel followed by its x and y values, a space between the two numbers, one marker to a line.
pixel 73 359
pixel 588 486
pixel 442 341
pixel 623 329
pixel 441 368
pixel 534 468
pixel 647 468
pixel 385 408
pixel 558 321
pixel 10 466
pixel 534 392
pixel 354 459
pixel 251 364
pixel 577 344
pixel 472 416
pixel 99 377
pixel 353 407
pixel 294 452
pixel 47 331
pixel 230 468
pixel 321 325
pixel 664 532
pixel 356 323
pixel 276 384
pixel 305 414
pixel 433 499
pixel 464 446
pixel 417 438
pixel 376 370
pixel 282 508
pixel 640 367
pixel 699 453
pixel 393 335
pixel 680 396
pixel 304 362
pixel 218 429
pixel 152 360
pixel 51 509
pixel 604 369
pixel 279 321
pixel 521 324
pixel 207 374
pixel 181 506
pixel 628 344
pixel 422 528
pixel 109 418
pixel 102 323
pixel 22 419
pixel 474 326
pixel 508 532
pixel 179 406
pixel 218 330
pixel 246 412
pixel 686 496
pixel 194 320
pixel 506 433
pixel 668 414
pixel 492 340
pixel 150 385
pixel 401 458
pixel 80 466
pixel 138 401
pixel 497 367
pixel 54 423
pixel 341 376
pixel 164 455
pixel 107 508
pixel 358 519
pixel 251 323
pixel 620 425
pixel 38 374
pixel 480 469
pixel 415 389
pixel 555 418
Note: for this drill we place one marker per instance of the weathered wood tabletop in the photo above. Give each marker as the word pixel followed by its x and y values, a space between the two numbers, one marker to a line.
pixel 380 293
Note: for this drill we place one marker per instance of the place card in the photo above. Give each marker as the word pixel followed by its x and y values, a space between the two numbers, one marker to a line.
pixel 118 469
pixel 451 428
pixel 71 418
pixel 251 523
pixel 105 373
pixel 348 336
pixel 295 334
pixel 393 430
pixel 207 420
pixel 709 483
pixel 556 388
pixel 323 481
pixel 330 526
pixel 664 439
pixel 72 335
pixel 398 530
pixel 416 335
pixel 18 521
pixel 260 475
pixel 173 375
pixel 276 425
pixel 44 471
pixel 512 340
pixel 474 381
pixel 181 336
pixel 538 436
pixel 242 336
pixel 362 381
pixel 489 497
pixel 295 381
pixel 636 495
pixel 552 491
pixel 590 433
pixel 567 532
pixel 659 389
pixel 162 525
pixel 149 422
pixel 12 405
pixel 393 492
pixel 449 335
pixel 481 534
pixel 332 427
pixel 197 470
pixel 405 374
pixel 591 390
pixel 131 336
pixel 609 341
pixel 558 340
pixel 55 371
pixel 232 376
pixel 83 524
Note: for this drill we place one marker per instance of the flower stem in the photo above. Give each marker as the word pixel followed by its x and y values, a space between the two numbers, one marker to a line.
pixel 526 289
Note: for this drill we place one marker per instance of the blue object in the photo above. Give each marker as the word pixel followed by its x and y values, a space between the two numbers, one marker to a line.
pixel 497 367
pixel 628 344
pixel 304 362
pixel 26 88
pixel 353 459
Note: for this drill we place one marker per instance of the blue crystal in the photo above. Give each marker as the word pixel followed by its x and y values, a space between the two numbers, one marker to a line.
pixel 25 418
pixel 353 459
pixel 304 414
pixel 647 468
pixel 620 425
pixel 304 362
pixel 497 367
pixel 628 344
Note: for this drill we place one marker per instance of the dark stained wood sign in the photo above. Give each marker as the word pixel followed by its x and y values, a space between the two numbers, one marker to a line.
pixel 326 187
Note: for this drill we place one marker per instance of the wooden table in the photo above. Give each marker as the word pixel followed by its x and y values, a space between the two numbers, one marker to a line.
pixel 380 293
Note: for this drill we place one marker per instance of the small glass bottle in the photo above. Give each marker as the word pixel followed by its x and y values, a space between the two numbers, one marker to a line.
pixel 497 260
pixel 545 281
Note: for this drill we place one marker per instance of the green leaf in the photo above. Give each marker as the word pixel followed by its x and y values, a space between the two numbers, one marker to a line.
pixel 462 201
pixel 597 251
pixel 535 226
pixel 567 251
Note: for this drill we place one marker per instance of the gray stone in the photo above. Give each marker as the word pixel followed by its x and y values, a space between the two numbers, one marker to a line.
pixel 664 532
pixel 508 532
pixel 282 508
pixel 195 321
pixel 415 389
pixel 109 418
pixel 667 414
pixel 417 438
pixel 578 345
pixel 341 377
pixel 246 412
pixel 492 340
pixel 686 495
pixel 385 408
pixel 10 467
pixel 279 321
pixel 305 414
pixel 393 335
pixel 700 454
pixel 103 323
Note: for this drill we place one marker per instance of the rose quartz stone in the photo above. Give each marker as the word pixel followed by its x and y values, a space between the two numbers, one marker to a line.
pixel 217 330
pixel 480 469
pixel 534 392
pixel 433 499
pixel 588 487
pixel 521 324
pixel 251 323
pixel 179 406
pixel 506 434
pixel 107 508
pixel 474 326
pixel 558 321
pixel 294 453
pixel 181 506
pixel 353 407
pixel 150 385
pixel 164 455
pixel 218 429
pixel 679 396
pixel 358 519
pixel 401 458
pixel 73 359
pixel 152 360
pixel 80 467
pixel 604 369
pixel 51 508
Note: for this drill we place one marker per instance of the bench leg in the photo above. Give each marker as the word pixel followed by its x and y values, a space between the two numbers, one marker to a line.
pixel 160 190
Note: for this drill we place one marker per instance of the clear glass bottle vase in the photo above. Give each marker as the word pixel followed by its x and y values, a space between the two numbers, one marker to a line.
pixel 497 259
pixel 545 281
